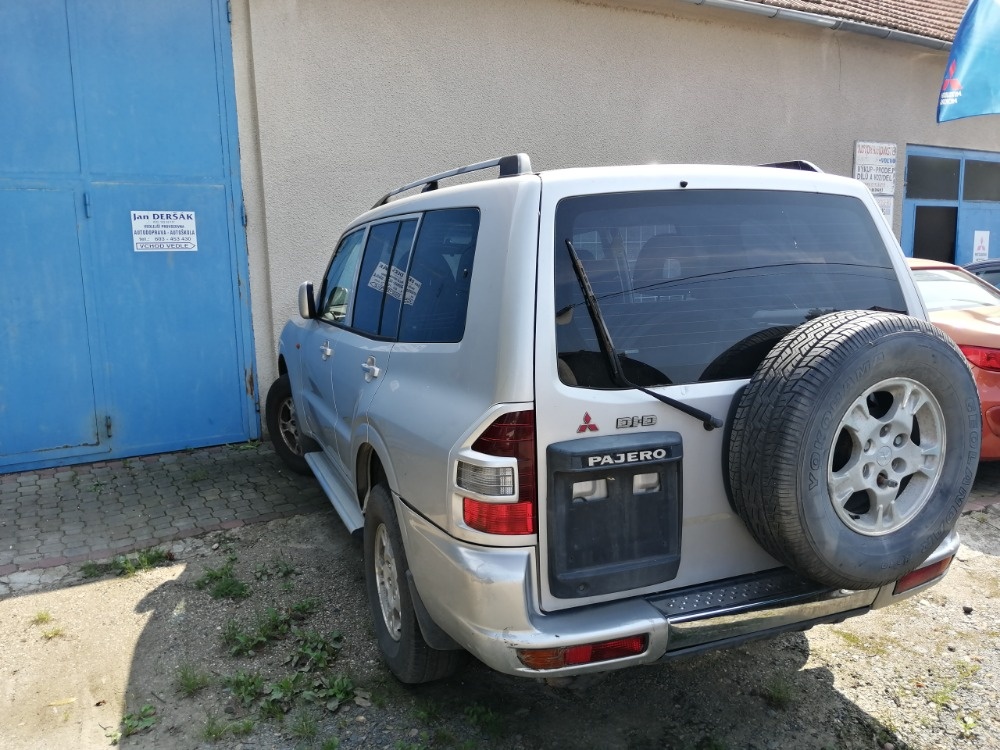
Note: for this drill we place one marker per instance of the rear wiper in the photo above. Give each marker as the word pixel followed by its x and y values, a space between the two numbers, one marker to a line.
pixel 608 348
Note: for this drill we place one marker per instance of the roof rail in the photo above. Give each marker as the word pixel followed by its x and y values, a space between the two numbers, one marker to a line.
pixel 804 166
pixel 509 166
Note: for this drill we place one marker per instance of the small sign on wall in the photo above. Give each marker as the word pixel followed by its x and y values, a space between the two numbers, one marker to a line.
pixel 875 165
pixel 980 245
pixel 164 231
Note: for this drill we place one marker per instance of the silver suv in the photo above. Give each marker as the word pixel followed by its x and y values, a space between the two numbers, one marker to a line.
pixel 592 418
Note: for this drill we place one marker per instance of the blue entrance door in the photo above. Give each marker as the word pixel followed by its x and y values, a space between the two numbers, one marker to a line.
pixel 123 280
pixel 978 232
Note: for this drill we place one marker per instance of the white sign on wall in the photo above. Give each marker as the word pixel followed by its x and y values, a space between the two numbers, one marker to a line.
pixel 164 231
pixel 980 246
pixel 875 165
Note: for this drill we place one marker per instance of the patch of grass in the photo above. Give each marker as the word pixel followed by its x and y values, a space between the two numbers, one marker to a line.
pixel 138 722
pixel 190 680
pixel 314 651
pixel 198 475
pixel 275 624
pixel 280 696
pixel 778 693
pixel 330 743
pixel 485 719
pixel 278 568
pixel 241 728
pixel 250 445
pixel 870 645
pixel 128 565
pixel 222 582
pixel 52 633
pixel 41 618
pixel 245 686
pixel 303 609
pixel 303 724
pixel 214 729
pixel 966 669
pixel 330 692
pixel 428 713
pixel 710 743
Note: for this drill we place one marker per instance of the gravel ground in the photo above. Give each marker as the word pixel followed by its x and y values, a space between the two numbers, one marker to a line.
pixel 81 654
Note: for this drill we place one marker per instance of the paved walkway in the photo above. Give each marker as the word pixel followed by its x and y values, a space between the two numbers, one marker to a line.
pixel 53 518
pixel 56 517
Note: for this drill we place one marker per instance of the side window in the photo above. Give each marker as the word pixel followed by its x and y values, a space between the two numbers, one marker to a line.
pixel 338 286
pixel 436 296
pixel 383 267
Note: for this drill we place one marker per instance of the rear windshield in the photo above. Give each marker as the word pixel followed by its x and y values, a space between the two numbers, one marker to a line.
pixel 699 285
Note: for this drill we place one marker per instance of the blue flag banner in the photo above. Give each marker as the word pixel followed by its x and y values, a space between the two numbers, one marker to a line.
pixel 971 83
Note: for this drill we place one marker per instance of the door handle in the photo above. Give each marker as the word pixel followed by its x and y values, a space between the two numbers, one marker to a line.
pixel 326 350
pixel 371 371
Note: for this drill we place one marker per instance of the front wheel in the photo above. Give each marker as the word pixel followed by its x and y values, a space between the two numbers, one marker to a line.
pixel 283 426
pixel 396 628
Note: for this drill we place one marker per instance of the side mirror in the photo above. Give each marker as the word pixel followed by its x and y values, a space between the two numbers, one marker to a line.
pixel 307 301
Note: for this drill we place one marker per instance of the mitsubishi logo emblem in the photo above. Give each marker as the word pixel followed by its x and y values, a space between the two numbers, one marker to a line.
pixel 588 425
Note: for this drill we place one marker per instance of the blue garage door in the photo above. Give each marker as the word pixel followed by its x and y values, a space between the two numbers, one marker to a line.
pixel 124 304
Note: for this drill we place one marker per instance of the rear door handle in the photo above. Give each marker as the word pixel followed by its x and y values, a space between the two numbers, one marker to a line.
pixel 371 371
pixel 326 350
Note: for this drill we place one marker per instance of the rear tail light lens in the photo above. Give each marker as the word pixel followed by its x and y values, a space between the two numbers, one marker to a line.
pixel 499 518
pixel 509 436
pixel 921 575
pixel 982 357
pixel 588 653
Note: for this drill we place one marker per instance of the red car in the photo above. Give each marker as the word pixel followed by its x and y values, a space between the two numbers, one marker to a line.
pixel 968 310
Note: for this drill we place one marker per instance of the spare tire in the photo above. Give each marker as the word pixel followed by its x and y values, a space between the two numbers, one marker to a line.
pixel 854 447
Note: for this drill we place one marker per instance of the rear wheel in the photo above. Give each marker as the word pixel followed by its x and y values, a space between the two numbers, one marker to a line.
pixel 283 426
pixel 396 628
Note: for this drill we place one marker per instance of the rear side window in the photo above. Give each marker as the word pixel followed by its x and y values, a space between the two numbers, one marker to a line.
pixel 384 266
pixel 699 285
pixel 436 296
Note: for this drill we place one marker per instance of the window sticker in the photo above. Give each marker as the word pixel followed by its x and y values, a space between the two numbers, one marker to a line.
pixel 412 288
pixel 377 281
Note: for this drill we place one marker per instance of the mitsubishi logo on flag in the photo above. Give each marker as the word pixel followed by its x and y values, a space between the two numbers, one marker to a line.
pixel 950 82
pixel 588 425
pixel 971 84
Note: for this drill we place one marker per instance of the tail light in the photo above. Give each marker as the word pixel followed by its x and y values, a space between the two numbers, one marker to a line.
pixel 982 357
pixel 588 653
pixel 509 436
pixel 921 575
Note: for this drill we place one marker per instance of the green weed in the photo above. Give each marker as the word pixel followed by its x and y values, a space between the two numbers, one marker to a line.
pixel 778 693
pixel 245 686
pixel 52 633
pixel 314 651
pixel 303 725
pixel 41 618
pixel 222 582
pixel 127 566
pixel 190 680
pixel 139 722
pixel 485 719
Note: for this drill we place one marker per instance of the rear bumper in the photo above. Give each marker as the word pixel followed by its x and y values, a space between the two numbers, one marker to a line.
pixel 485 599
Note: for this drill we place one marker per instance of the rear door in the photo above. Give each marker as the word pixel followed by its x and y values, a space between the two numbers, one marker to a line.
pixel 695 287
pixel 361 357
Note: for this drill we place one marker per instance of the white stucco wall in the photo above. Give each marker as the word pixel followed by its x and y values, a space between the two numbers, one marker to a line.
pixel 339 101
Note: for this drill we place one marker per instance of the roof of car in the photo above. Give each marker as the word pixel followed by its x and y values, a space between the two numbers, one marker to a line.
pixel 983 265
pixel 927 263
